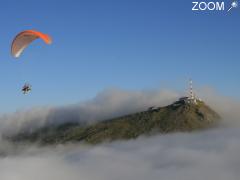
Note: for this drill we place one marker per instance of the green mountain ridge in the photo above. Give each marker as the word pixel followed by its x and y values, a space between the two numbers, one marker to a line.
pixel 180 116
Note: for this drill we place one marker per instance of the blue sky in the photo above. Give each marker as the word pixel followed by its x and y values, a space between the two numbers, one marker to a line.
pixel 128 44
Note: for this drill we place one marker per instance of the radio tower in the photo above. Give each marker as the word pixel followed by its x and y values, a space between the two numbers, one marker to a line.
pixel 191 89
pixel 191 93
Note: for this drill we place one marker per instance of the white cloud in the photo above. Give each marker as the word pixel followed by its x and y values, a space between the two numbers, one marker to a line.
pixel 211 154
pixel 107 104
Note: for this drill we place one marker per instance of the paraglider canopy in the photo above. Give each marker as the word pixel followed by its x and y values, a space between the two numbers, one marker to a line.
pixel 24 38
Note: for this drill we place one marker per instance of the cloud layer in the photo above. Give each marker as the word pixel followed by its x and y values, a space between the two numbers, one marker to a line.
pixel 207 155
pixel 112 103
pixel 212 154
pixel 107 104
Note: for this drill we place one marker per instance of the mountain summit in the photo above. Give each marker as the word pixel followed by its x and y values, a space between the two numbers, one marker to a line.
pixel 184 115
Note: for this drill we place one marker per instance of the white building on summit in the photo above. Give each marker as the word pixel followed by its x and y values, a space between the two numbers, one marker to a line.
pixel 190 99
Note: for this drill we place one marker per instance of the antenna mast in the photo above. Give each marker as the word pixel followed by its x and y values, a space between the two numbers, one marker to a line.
pixel 191 89
pixel 191 93
pixel 192 96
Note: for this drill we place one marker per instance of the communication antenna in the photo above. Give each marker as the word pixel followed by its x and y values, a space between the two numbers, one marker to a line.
pixel 191 89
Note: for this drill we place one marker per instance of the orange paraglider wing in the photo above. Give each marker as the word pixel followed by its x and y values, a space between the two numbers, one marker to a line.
pixel 24 38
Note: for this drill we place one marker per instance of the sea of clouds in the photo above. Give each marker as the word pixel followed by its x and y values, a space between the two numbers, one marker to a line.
pixel 211 154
